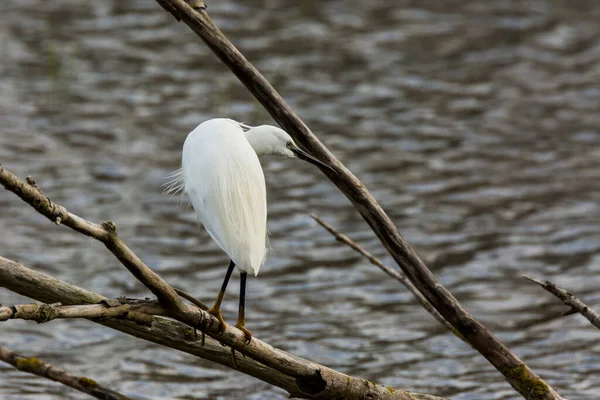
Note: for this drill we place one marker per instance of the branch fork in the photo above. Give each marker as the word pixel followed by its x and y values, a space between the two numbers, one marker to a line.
pixel 576 305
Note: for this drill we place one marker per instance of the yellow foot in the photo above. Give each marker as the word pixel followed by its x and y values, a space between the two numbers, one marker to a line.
pixel 246 332
pixel 217 314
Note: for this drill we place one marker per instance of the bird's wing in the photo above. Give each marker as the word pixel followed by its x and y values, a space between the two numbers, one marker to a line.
pixel 225 183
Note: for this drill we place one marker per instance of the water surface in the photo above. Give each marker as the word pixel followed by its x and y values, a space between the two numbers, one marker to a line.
pixel 474 124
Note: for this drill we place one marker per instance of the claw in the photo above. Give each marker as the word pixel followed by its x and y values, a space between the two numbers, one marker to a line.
pixel 217 314
pixel 245 331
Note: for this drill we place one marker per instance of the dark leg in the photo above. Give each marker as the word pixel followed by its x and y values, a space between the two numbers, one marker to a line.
pixel 216 308
pixel 241 314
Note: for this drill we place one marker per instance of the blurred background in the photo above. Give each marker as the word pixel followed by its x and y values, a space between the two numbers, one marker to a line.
pixel 474 123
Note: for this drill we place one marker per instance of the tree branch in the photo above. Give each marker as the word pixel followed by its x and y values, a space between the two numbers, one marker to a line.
pixel 400 277
pixel 320 383
pixel 41 368
pixel 106 233
pixel 569 300
pixel 138 311
pixel 166 332
pixel 191 299
pixel 516 372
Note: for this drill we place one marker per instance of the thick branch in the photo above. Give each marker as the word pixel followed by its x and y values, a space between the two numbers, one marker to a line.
pixel 400 277
pixel 569 300
pixel 38 367
pixel 173 334
pixel 321 383
pixel 519 375
pixel 137 311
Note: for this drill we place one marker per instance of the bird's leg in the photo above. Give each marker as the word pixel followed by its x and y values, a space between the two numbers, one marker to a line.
pixel 241 316
pixel 216 308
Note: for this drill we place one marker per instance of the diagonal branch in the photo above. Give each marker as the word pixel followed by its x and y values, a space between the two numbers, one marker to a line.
pixel 41 287
pixel 515 371
pixel 106 233
pixel 400 277
pixel 41 368
pixel 191 299
pixel 569 300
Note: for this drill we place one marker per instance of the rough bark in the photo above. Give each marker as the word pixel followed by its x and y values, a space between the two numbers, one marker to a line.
pixel 516 372
pixel 321 383
pixel 138 311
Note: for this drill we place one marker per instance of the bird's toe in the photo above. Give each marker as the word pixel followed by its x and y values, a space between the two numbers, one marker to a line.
pixel 217 314
pixel 245 331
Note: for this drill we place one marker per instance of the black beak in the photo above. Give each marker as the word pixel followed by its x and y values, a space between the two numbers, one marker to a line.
pixel 301 154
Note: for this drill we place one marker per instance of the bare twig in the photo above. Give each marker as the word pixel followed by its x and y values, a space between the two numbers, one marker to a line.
pixel 41 368
pixel 324 383
pixel 400 277
pixel 191 299
pixel 569 300
pixel 515 371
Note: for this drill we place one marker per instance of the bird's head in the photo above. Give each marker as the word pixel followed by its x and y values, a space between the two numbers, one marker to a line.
pixel 270 140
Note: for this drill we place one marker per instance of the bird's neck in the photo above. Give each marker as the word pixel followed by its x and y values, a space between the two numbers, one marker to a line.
pixel 257 141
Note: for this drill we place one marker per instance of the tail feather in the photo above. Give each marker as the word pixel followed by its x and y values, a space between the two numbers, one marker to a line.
pixel 174 185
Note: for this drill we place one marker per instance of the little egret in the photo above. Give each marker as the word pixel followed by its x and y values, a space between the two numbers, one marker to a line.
pixel 224 181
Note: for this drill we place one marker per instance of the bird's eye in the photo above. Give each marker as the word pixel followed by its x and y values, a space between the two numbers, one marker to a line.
pixel 289 145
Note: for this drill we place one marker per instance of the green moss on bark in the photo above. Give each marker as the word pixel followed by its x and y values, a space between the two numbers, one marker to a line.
pixel 29 364
pixel 87 382
pixel 534 387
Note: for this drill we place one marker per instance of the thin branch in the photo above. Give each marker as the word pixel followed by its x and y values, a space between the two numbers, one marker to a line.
pixel 569 300
pixel 516 372
pixel 400 277
pixel 41 368
pixel 191 299
pixel 106 233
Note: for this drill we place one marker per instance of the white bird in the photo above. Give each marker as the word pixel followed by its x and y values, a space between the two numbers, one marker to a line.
pixel 221 175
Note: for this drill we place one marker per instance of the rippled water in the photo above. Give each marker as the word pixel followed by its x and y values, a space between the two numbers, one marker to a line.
pixel 474 123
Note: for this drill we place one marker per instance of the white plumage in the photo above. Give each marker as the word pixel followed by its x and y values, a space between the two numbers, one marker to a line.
pixel 221 175
pixel 226 186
